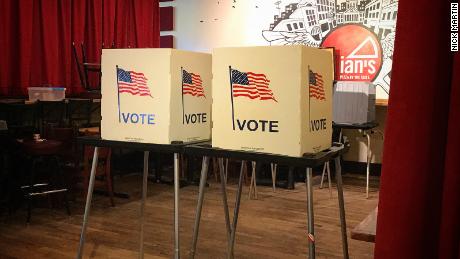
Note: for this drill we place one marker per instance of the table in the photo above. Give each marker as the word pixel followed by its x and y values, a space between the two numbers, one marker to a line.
pixel 308 161
pixel 381 102
pixel 70 108
pixel 18 115
pixel 366 229
pixel 365 128
pixel 89 131
pixel 41 147
pixel 176 148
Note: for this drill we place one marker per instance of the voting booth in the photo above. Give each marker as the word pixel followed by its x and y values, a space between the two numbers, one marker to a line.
pixel 273 99
pixel 155 95
pixel 354 102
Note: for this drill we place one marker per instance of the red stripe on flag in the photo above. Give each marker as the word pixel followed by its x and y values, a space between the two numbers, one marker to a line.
pixel 137 87
pixel 195 88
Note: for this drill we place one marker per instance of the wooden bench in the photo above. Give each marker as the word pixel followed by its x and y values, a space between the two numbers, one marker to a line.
pixel 365 230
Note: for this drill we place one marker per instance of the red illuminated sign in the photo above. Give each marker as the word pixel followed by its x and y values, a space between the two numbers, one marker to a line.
pixel 360 52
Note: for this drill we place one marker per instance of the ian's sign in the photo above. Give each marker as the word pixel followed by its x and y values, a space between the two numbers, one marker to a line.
pixel 360 56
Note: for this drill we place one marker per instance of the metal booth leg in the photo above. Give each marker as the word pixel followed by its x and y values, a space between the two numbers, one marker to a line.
pixel 231 229
pixel 236 211
pixel 274 168
pixel 368 160
pixel 326 169
pixel 226 169
pixel 329 178
pixel 311 223
pixel 144 196
pixel 322 176
pixel 176 206
pixel 89 197
pixel 343 224
pixel 253 185
pixel 291 180
pixel 199 206
pixel 223 186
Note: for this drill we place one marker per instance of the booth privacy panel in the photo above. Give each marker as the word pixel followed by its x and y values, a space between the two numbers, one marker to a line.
pixel 143 95
pixel 262 99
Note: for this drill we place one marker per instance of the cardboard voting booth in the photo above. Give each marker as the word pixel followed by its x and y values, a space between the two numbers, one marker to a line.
pixel 155 95
pixel 354 102
pixel 274 99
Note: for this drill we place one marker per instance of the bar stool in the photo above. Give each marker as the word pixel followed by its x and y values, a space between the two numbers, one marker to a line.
pixel 44 153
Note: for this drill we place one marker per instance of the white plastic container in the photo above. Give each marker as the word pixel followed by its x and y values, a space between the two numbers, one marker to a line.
pixel 46 93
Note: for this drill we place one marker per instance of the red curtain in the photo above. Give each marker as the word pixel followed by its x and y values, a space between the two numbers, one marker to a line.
pixel 419 207
pixel 36 38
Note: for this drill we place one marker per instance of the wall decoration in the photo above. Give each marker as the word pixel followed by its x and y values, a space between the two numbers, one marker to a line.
pixel 363 31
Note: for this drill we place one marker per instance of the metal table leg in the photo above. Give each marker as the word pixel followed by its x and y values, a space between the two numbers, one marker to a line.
pixel 343 224
pixel 311 223
pixel 144 196
pixel 236 211
pixel 199 206
pixel 89 197
pixel 176 206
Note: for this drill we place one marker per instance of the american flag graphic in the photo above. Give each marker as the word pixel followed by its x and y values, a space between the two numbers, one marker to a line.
pixel 316 86
pixel 132 82
pixel 251 85
pixel 192 84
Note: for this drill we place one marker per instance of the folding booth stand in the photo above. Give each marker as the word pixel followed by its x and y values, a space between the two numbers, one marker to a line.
pixel 308 161
pixel 365 129
pixel 176 148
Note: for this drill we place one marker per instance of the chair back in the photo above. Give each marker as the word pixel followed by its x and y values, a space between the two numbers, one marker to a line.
pixel 79 67
pixel 84 68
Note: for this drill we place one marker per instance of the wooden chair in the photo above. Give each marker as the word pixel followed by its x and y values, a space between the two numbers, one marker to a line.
pixel 103 172
pixel 84 68
pixel 44 154
pixel 69 153
pixel 79 112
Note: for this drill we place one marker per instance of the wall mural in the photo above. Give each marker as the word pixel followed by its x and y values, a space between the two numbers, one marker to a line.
pixel 363 32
